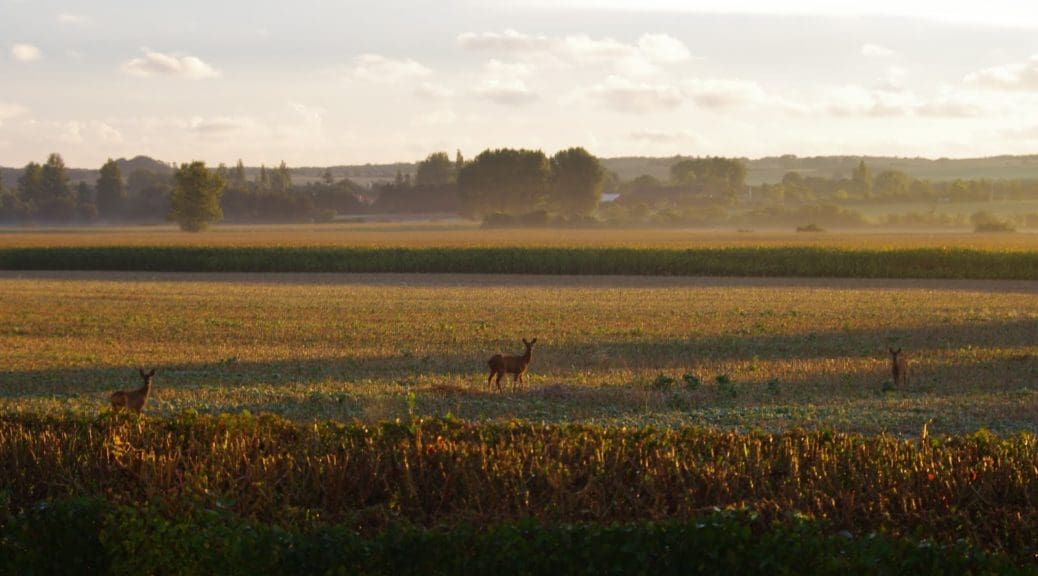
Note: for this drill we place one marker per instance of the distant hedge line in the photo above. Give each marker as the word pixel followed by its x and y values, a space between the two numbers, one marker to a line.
pixel 93 536
pixel 947 263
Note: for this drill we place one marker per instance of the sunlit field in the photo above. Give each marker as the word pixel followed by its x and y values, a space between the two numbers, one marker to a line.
pixel 731 354
pixel 463 233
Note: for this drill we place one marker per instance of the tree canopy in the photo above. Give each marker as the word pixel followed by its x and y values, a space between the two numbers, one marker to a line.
pixel 506 181
pixel 196 197
pixel 111 193
pixel 576 182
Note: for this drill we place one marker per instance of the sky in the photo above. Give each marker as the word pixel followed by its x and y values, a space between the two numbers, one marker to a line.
pixel 330 82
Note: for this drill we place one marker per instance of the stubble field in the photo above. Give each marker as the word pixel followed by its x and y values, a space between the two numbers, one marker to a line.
pixel 768 354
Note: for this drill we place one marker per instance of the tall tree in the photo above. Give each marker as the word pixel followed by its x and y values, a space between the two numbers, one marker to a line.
pixel 576 182
pixel 862 178
pixel 238 176
pixel 281 178
pixel 436 170
pixel 111 192
pixel 196 197
pixel 506 180
pixel 30 184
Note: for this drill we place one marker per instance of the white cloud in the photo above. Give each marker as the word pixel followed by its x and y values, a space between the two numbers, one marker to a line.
pixel 507 41
pixel 665 137
pixel 378 68
pixel 876 51
pixel 309 114
pixel 1013 76
pixel 10 110
pixel 646 55
pixel 724 93
pixel 90 132
pixel 437 118
pixel 433 91
pixel 623 95
pixel 851 100
pixel 219 126
pixel 506 92
pixel 74 19
pixel 25 53
pixel 160 64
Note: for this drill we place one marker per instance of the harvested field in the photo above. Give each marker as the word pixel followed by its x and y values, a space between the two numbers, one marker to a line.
pixel 740 353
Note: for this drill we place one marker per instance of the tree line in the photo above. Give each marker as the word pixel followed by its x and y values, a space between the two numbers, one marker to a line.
pixel 502 186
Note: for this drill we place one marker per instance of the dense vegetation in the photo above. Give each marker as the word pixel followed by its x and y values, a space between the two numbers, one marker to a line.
pixel 750 261
pixel 524 188
pixel 978 489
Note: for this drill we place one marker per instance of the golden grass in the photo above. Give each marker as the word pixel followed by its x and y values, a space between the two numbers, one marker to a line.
pixel 798 352
pixel 467 234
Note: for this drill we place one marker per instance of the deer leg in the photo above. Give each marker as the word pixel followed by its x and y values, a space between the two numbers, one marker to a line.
pixel 499 375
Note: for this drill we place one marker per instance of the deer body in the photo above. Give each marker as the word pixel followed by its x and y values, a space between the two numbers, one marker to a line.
pixel 898 367
pixel 133 399
pixel 501 364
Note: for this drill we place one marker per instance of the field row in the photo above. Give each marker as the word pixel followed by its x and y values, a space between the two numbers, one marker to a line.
pixel 769 354
pixel 463 234
pixel 770 261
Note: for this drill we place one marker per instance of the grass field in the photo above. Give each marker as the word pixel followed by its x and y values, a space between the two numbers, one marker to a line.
pixel 768 354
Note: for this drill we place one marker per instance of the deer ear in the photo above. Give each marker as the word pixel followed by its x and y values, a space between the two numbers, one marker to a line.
pixel 141 370
pixel 891 350
pixel 152 373
pixel 898 351
pixel 525 342
pixel 532 342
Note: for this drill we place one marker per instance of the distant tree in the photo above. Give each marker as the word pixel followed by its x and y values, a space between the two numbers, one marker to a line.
pixel 459 162
pixel 506 180
pixel 862 179
pixel 716 175
pixel 148 195
pixel 196 197
pixel 111 193
pixel 86 207
pixel 327 178
pixel 238 175
pixel 281 178
pixel 576 182
pixel 55 200
pixel 12 209
pixel 436 170
pixel 263 180
pixel 30 184
pixel 892 183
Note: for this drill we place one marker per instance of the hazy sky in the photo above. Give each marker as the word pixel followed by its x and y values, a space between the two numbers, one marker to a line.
pixel 320 82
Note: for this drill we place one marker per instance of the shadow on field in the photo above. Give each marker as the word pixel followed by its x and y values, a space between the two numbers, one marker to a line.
pixel 535 281
pixel 615 354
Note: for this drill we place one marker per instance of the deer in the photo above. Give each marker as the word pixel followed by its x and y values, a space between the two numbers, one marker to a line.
pixel 898 367
pixel 134 399
pixel 507 363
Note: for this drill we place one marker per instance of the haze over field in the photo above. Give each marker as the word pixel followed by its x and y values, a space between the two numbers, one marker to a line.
pixel 330 83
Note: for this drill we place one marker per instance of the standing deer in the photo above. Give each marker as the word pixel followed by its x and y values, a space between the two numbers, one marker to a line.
pixel 134 399
pixel 507 363
pixel 898 367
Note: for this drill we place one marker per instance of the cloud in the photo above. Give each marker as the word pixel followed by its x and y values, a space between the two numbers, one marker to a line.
pixel 433 91
pixel 437 118
pixel 89 132
pixel 507 41
pixel 10 110
pixel 510 92
pixel 876 51
pixel 1013 76
pixel 623 95
pixel 381 69
pixel 851 100
pixel 25 53
pixel 724 93
pixel 309 114
pixel 74 19
pixel 664 137
pixel 646 55
pixel 159 64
